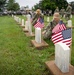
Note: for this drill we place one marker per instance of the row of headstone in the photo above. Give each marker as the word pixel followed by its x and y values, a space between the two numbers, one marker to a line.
pixel 62 51
pixel 17 19
pixel 27 24
pixel 28 27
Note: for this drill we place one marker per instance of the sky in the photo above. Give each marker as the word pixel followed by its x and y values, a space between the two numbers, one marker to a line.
pixel 30 3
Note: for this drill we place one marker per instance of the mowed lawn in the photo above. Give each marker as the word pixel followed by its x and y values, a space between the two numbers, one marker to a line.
pixel 17 56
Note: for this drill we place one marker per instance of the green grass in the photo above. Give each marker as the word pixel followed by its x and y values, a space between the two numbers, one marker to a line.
pixel 17 57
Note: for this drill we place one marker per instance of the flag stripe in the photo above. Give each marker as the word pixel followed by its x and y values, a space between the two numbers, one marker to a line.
pixel 59 37
pixel 56 37
pixel 40 23
pixel 67 41
pixel 59 27
pixel 57 34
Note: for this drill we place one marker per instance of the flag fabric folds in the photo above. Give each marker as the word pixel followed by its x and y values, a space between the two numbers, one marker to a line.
pixel 59 27
pixel 64 36
pixel 40 23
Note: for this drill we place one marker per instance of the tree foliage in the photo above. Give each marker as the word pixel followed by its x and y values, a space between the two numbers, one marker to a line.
pixel 2 4
pixel 12 5
pixel 51 4
pixel 61 3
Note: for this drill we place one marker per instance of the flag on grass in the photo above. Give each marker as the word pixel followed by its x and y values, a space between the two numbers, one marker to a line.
pixel 65 36
pixel 59 27
pixel 40 23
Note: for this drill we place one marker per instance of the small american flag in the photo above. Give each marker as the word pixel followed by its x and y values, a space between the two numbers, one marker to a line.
pixel 64 36
pixel 40 23
pixel 59 27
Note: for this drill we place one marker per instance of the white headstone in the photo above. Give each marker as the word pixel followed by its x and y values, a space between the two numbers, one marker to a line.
pixel 19 20
pixel 26 25
pixel 62 56
pixel 69 23
pixel 48 19
pixel 28 17
pixel 64 16
pixel 71 16
pixel 38 35
pixel 29 23
pixel 12 15
pixel 15 18
pixel 22 22
pixel 24 15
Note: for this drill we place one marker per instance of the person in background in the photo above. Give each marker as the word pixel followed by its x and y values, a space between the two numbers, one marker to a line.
pixel 36 16
pixel 68 12
pixel 62 12
pixel 56 10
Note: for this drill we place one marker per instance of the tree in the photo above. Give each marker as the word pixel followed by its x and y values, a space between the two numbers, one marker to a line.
pixel 36 7
pixel 51 4
pixel 44 4
pixel 61 3
pixel 2 4
pixel 16 6
pixel 12 5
